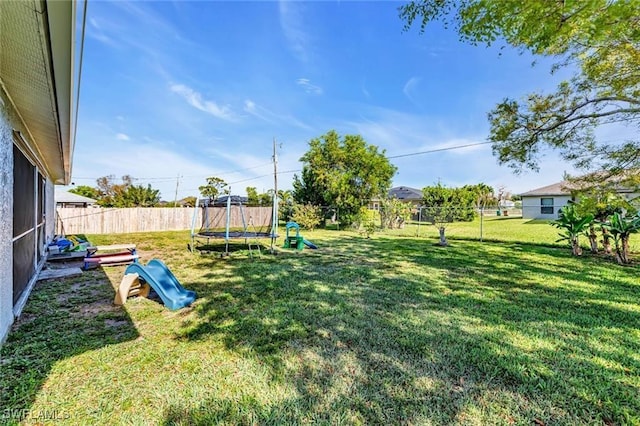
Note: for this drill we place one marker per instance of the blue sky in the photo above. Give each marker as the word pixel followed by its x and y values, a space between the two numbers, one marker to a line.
pixel 196 89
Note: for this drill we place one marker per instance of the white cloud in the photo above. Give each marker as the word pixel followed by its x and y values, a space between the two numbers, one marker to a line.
pixel 195 99
pixel 122 137
pixel 403 133
pixel 249 106
pixel 96 31
pixel 271 117
pixel 293 27
pixel 410 86
pixel 305 83
pixel 365 92
pixel 256 111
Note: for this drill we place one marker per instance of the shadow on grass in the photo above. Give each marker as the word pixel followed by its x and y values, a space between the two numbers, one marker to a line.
pixel 62 318
pixel 395 330
pixel 537 221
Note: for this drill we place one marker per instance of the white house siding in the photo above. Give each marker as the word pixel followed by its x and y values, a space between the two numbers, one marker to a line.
pixel 6 224
pixel 531 206
pixel 50 210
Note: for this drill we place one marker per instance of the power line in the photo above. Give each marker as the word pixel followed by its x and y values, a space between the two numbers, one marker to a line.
pixel 430 151
pixel 440 149
pixel 169 178
pixel 252 178
pixel 261 176
pixel 470 145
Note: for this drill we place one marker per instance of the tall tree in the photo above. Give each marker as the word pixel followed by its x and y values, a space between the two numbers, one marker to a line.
pixel 139 196
pixel 86 191
pixel 285 204
pixel 481 195
pixel 252 196
pixel 214 187
pixel 342 172
pixel 111 193
pixel 266 198
pixel 600 39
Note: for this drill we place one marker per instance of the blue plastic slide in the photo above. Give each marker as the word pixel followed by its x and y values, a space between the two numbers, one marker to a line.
pixel 310 244
pixel 162 280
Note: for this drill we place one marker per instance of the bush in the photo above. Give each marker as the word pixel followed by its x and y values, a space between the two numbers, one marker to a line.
pixel 365 222
pixel 307 216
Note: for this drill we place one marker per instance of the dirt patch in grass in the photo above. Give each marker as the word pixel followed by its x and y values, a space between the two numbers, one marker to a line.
pixel 79 290
pixel 96 308
pixel 115 323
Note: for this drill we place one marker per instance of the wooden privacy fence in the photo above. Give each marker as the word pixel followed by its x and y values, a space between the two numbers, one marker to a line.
pixel 147 219
pixel 254 217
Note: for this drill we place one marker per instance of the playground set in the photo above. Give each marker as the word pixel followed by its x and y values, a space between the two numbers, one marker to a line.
pixel 227 220
pixel 140 279
pixel 296 241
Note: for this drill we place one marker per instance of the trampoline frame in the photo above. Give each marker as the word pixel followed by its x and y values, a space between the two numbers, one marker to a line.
pixel 228 234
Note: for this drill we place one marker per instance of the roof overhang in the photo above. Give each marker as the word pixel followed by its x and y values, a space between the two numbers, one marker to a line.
pixel 37 76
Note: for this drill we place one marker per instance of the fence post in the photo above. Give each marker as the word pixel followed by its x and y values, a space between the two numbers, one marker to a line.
pixel 481 221
pixel 419 220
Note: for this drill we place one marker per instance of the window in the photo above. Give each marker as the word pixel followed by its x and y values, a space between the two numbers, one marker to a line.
pixel 546 205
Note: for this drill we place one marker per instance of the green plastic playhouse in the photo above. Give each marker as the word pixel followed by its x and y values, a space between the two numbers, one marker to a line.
pixel 293 241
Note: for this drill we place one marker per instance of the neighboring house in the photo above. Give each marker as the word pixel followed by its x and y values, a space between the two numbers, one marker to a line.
pixel 36 142
pixel 402 193
pixel 546 202
pixel 407 194
pixel 69 199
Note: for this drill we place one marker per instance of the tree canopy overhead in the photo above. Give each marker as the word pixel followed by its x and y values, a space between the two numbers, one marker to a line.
pixel 600 39
pixel 342 172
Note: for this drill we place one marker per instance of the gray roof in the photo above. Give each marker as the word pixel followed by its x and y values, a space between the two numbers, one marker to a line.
pixel 565 188
pixel 221 201
pixel 559 188
pixel 405 193
pixel 69 197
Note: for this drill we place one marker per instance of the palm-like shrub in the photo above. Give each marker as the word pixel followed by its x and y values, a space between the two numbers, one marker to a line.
pixel 621 228
pixel 572 224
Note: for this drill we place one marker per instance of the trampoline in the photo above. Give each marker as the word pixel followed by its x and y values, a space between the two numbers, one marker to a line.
pixel 234 234
pixel 229 219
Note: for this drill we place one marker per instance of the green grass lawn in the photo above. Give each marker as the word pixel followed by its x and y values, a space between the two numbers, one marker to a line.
pixel 387 330
pixel 509 229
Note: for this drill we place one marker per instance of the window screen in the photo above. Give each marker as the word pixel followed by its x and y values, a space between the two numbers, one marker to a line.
pixel 24 230
pixel 23 193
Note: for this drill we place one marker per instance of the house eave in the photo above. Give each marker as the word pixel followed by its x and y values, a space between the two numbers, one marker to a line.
pixel 62 16
pixel 37 78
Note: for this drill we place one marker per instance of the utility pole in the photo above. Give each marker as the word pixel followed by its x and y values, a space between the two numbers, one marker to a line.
pixel 175 200
pixel 175 203
pixel 274 219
